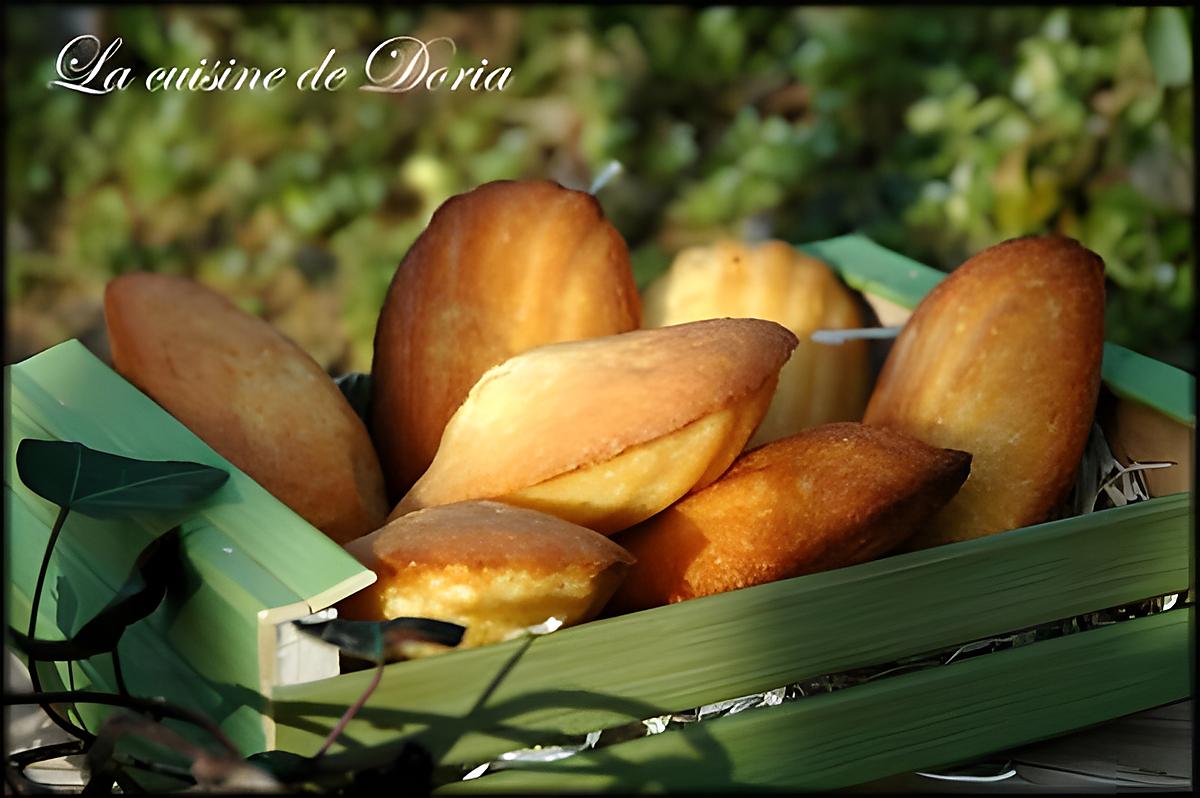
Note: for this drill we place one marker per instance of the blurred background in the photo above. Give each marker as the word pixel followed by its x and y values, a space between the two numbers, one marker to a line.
pixel 937 132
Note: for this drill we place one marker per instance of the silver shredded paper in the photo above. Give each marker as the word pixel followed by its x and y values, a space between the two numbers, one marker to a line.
pixel 1103 482
pixel 979 774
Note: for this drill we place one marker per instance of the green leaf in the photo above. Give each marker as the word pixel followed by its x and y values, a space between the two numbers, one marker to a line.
pixel 356 387
pixel 379 771
pixel 412 766
pixel 284 765
pixel 142 592
pixel 1169 45
pixel 372 639
pixel 103 485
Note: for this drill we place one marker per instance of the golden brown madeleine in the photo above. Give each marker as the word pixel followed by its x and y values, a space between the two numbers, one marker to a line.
pixel 1002 359
pixel 606 432
pixel 831 496
pixel 499 270
pixel 249 393
pixel 492 568
pixel 773 280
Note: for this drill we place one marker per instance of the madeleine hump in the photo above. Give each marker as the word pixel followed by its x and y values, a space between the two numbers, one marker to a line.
pixel 607 432
pixel 775 281
pixel 504 268
pixel 492 568
pixel 251 394
pixel 829 497
pixel 1002 359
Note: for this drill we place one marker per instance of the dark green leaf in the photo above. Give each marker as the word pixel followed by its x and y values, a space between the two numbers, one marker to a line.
pixel 371 639
pixel 103 485
pixel 1169 44
pixel 143 591
pixel 412 767
pixel 284 765
pixel 356 387
pixel 66 609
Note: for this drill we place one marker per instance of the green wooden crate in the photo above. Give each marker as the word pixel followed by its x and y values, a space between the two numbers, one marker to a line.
pixel 252 563
pixel 219 648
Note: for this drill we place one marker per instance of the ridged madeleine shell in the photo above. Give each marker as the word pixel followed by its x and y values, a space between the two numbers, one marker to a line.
pixel 1002 359
pixel 821 383
pixel 507 267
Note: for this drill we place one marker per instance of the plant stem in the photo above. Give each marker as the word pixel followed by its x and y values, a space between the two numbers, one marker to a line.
pixel 183 774
pixel 349 713
pixel 116 661
pixel 71 684
pixel 34 678
pixel 10 781
pixel 158 708
pixel 23 759
pixel 500 676
pixel 41 580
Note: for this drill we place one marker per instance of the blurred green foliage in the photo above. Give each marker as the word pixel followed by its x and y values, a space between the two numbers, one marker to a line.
pixel 936 131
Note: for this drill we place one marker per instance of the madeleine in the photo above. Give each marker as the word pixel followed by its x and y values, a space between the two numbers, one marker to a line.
pixel 1002 359
pixel 251 394
pixel 489 567
pixel 831 496
pixel 606 432
pixel 774 281
pixel 504 268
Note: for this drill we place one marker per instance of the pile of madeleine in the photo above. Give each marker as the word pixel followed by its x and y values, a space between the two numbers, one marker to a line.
pixel 542 442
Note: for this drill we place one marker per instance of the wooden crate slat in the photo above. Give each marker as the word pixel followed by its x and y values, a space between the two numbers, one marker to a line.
pixel 151 659
pixel 872 269
pixel 74 396
pixel 1159 385
pixel 917 721
pixel 244 551
pixel 671 658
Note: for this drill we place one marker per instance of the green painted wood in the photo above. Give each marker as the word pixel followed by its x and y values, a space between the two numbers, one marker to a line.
pixel 671 658
pixel 222 683
pixel 218 583
pixel 244 551
pixel 918 721
pixel 870 268
pixel 1163 387
pixel 69 392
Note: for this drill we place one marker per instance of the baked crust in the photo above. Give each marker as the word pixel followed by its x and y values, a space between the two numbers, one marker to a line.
pixel 492 567
pixel 831 496
pixel 565 406
pixel 504 268
pixel 249 393
pixel 643 479
pixel 775 281
pixel 1002 359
